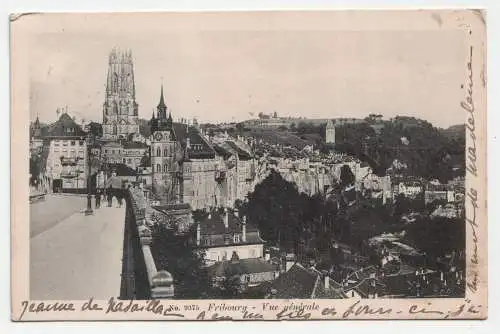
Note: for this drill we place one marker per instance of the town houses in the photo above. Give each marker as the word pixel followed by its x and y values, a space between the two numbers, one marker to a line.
pixel 199 180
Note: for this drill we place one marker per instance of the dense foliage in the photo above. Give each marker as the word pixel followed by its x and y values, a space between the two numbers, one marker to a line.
pixel 427 151
pixel 307 225
pixel 288 219
pixel 179 256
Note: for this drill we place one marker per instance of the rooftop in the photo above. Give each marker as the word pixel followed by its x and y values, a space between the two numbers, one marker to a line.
pixel 297 282
pixel 214 224
pixel 134 145
pixel 241 267
pixel 65 126
pixel 122 169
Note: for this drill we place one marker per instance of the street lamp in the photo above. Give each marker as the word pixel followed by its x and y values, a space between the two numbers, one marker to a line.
pixel 90 142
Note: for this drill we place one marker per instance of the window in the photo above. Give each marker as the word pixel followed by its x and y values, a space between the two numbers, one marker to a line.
pixel 158 168
pixel 165 168
pixel 56 150
pixel 224 255
pixel 158 152
pixel 123 160
pixel 56 143
pixel 105 151
pixel 165 152
pixel 252 253
pixel 81 143
pixel 129 161
pixel 73 143
pixel 73 153
pixel 236 238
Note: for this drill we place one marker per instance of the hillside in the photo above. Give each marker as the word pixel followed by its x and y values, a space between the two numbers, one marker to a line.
pixel 456 132
pixel 281 137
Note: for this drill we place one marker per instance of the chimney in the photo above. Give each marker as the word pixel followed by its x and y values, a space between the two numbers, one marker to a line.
pixel 188 143
pixel 198 234
pixel 244 229
pixel 236 213
pixel 327 282
pixel 267 256
pixel 226 218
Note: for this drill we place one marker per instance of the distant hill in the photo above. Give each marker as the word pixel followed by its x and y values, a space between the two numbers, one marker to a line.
pixel 454 132
pixel 426 150
pixel 281 137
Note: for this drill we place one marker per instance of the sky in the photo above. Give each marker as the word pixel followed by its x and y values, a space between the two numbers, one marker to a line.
pixel 230 67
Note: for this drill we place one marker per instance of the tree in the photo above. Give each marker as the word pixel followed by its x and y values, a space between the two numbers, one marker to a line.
pixel 35 167
pixel 346 176
pixel 275 207
pixel 437 237
pixel 178 254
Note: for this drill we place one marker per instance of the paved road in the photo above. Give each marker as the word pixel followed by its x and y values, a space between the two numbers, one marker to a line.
pixel 79 257
pixel 56 207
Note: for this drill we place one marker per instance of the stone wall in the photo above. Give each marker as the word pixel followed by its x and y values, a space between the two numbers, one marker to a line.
pixel 140 277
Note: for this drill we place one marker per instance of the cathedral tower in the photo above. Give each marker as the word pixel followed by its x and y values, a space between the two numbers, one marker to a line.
pixel 120 111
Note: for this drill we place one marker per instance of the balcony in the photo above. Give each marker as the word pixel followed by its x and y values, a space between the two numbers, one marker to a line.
pixel 71 174
pixel 69 161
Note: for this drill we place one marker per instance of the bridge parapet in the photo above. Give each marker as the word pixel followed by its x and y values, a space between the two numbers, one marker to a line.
pixel 142 279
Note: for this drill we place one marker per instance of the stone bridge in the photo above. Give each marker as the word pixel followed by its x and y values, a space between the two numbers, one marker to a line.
pixel 107 254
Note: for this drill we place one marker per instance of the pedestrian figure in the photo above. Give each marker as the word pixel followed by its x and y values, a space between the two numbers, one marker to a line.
pixel 110 196
pixel 98 199
pixel 119 198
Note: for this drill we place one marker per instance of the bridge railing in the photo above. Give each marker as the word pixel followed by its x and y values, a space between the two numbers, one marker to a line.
pixel 141 279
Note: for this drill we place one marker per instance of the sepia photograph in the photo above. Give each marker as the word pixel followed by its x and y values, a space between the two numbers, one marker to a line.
pixel 224 158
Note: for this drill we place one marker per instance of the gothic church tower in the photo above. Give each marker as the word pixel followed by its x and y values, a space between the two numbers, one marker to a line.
pixel 120 111
pixel 166 156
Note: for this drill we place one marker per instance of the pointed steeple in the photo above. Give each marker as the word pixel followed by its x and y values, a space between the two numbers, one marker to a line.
pixel 162 107
pixel 162 99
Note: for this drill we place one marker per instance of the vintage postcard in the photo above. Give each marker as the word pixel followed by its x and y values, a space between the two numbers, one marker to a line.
pixel 270 165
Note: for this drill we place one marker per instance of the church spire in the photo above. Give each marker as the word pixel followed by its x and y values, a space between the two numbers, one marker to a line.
pixel 162 107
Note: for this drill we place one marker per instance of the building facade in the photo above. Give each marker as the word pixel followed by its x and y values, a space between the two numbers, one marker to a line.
pixel 223 233
pixel 66 164
pixel 120 110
